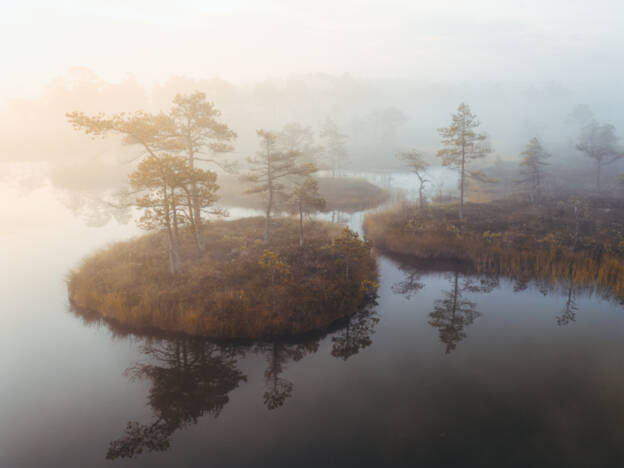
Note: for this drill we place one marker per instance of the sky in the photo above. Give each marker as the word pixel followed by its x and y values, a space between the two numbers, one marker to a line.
pixel 577 43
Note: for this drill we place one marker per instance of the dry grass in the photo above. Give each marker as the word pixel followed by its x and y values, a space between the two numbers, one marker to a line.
pixel 225 292
pixel 513 238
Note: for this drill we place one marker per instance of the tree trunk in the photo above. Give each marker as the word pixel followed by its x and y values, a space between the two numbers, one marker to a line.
pixel 598 168
pixel 267 221
pixel 175 265
pixel 172 267
pixel 199 240
pixel 461 184
pixel 176 231
pixel 198 243
pixel 174 255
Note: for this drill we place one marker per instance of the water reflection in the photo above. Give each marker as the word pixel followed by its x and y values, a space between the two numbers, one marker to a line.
pixel 96 209
pixel 192 377
pixel 356 334
pixel 568 313
pixel 189 379
pixel 278 355
pixel 453 312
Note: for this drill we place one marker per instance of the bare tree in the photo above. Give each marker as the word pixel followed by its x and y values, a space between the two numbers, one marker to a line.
pixel 414 160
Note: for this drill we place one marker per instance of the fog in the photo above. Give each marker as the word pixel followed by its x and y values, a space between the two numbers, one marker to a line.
pixel 353 232
pixel 243 41
pixel 388 73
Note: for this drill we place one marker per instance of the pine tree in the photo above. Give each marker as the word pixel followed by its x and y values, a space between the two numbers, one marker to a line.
pixel 269 171
pixel 163 191
pixel 334 146
pixel 531 167
pixel 462 145
pixel 599 142
pixel 305 199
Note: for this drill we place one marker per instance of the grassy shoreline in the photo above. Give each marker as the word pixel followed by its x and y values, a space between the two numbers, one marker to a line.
pixel 233 290
pixel 559 239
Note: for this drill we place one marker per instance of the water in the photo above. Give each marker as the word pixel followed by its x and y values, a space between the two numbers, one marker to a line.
pixel 447 369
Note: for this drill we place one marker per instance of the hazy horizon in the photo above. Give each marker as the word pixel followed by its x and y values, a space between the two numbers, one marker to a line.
pixel 572 43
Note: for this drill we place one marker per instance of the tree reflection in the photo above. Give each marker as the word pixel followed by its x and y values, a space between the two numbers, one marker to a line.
pixel 96 209
pixel 190 378
pixel 453 313
pixel 411 285
pixel 278 354
pixel 568 314
pixel 356 333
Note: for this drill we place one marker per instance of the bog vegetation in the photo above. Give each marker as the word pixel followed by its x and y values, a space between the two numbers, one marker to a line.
pixel 231 280
pixel 581 240
pixel 238 287
pixel 224 279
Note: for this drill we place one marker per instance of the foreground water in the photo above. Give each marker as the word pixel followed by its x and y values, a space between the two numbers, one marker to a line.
pixel 447 369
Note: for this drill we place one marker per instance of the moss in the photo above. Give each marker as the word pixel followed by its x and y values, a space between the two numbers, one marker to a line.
pixel 228 291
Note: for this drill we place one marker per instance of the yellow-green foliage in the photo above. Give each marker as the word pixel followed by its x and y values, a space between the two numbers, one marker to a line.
pixel 239 288
pixel 513 238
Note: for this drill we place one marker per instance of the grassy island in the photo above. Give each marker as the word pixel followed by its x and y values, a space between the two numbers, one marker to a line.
pixel 238 287
pixel 580 240
pixel 346 194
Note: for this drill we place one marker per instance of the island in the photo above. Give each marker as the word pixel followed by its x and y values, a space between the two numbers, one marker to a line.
pixel 237 287
pixel 567 239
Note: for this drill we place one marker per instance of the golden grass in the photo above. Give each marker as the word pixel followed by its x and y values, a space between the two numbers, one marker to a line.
pixel 226 292
pixel 512 238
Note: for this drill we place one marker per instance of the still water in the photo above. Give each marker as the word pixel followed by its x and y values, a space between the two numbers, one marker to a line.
pixel 448 368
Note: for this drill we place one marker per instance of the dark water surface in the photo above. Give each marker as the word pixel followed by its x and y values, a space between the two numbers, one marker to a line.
pixel 447 369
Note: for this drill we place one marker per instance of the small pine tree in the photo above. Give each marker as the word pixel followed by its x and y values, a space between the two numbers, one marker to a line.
pixel 462 145
pixel 268 172
pixel 305 199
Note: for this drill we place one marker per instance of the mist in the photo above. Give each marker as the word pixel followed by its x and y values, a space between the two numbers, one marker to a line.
pixel 271 233
pixel 389 74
